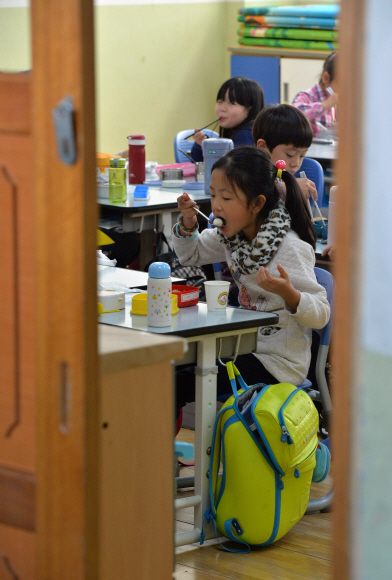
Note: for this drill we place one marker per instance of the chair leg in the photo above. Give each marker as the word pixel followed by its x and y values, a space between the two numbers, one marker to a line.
pixel 320 504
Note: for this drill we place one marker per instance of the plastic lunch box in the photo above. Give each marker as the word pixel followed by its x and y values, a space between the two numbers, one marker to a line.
pixel 186 295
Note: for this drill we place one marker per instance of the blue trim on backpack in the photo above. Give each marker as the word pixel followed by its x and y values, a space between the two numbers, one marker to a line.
pixel 233 383
pixel 229 422
pixel 261 432
pixel 212 457
pixel 231 536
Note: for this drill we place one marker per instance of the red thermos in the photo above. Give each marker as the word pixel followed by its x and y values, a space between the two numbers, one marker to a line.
pixel 137 158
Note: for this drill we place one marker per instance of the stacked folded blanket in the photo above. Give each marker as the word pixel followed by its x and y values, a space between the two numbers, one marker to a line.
pixel 312 27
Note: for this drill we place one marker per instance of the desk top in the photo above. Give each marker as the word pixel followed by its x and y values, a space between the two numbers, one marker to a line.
pixel 160 198
pixel 323 151
pixel 121 348
pixel 194 320
pixel 112 276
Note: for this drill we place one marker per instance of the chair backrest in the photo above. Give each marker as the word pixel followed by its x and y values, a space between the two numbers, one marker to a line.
pixel 180 142
pixel 217 266
pixel 315 173
pixel 325 279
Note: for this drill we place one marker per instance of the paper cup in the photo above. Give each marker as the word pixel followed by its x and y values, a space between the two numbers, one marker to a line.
pixel 217 294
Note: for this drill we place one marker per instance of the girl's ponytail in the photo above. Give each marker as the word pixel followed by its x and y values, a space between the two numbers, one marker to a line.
pixel 301 221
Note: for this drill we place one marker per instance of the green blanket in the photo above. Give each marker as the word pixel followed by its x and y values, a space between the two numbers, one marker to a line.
pixel 283 43
pixel 291 33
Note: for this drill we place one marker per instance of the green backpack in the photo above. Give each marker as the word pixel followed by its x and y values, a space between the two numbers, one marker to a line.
pixel 265 437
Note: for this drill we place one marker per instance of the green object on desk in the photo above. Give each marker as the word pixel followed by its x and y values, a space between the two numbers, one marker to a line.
pixel 117 184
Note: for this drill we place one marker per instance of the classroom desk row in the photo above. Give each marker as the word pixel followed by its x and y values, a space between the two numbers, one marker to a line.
pixel 208 334
pixel 137 215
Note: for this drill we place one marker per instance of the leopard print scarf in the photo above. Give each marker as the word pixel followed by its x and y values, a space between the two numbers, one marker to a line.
pixel 247 257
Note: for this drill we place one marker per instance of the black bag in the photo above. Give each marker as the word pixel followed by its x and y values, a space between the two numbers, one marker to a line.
pixel 126 247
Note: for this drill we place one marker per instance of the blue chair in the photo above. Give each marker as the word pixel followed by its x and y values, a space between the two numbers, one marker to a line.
pixel 325 279
pixel 315 173
pixel 322 395
pixel 180 142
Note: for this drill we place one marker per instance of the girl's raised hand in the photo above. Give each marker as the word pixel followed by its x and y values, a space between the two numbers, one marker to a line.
pixel 332 101
pixel 199 136
pixel 186 205
pixel 279 285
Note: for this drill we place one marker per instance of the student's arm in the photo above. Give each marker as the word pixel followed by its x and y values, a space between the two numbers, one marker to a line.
pixel 330 251
pixel 197 153
pixel 312 110
pixel 307 187
pixel 204 248
pixel 313 309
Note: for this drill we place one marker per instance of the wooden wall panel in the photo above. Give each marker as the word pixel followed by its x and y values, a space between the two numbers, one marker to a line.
pixel 137 523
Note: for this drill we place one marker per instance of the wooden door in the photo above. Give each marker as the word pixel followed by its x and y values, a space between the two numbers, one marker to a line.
pixel 48 343
pixel 66 303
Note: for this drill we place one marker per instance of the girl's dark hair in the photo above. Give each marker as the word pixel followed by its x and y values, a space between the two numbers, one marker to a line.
pixel 245 92
pixel 282 125
pixel 250 170
pixel 329 66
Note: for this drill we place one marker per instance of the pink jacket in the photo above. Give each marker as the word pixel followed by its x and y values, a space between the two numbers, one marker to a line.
pixel 309 102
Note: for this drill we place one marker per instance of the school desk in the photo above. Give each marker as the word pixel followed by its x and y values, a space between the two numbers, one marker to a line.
pixel 125 277
pixel 207 334
pixel 159 211
pixel 326 152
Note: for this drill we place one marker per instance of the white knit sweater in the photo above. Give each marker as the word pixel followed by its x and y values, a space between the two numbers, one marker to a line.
pixel 285 354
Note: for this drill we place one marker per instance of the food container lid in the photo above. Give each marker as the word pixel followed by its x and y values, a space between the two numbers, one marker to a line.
pixel 117 162
pixel 216 146
pixel 137 139
pixel 139 304
pixel 159 270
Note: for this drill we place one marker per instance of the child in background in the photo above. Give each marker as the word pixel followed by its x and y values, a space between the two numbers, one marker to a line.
pixel 269 244
pixel 319 102
pixel 286 133
pixel 238 102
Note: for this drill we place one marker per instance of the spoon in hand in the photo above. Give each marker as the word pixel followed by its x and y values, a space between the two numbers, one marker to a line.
pixel 218 222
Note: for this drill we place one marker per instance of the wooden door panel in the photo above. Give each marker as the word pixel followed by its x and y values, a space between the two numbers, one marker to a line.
pixel 17 554
pixel 17 429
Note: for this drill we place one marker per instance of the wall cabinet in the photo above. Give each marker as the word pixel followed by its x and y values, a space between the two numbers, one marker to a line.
pixel 281 76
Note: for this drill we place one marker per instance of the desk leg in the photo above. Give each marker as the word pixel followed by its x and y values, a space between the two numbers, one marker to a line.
pixel 204 426
pixel 165 224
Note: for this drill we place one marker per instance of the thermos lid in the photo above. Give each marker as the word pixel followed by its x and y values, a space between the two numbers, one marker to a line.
pixel 216 146
pixel 137 139
pixel 117 162
pixel 159 270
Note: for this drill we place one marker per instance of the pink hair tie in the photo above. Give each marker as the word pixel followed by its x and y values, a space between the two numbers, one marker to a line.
pixel 280 166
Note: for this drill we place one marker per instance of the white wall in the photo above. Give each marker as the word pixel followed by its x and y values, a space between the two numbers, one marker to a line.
pixel 372 474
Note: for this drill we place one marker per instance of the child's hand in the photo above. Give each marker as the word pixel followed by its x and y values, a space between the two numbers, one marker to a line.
pixel 332 101
pixel 199 137
pixel 185 205
pixel 281 286
pixel 307 188
pixel 331 251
